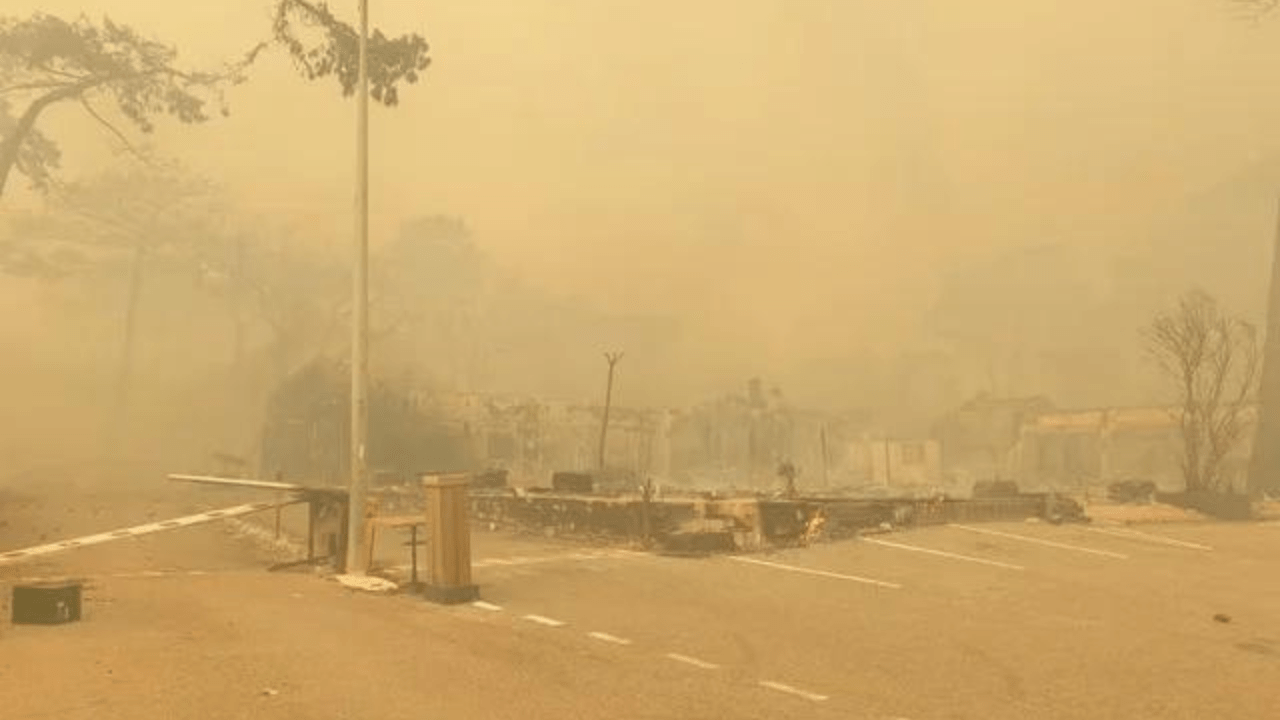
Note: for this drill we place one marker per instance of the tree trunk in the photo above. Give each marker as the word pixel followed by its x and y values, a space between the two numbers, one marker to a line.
pixel 237 312
pixel 11 146
pixel 130 331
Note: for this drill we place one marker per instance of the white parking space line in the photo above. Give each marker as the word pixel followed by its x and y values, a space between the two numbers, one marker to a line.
pixel 486 606
pixel 692 661
pixel 606 637
pixel 780 687
pixel 520 560
pixel 943 553
pixel 819 573
pixel 1159 539
pixel 1040 541
pixel 549 622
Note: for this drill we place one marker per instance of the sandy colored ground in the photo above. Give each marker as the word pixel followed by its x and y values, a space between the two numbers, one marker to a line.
pixel 1152 513
pixel 1008 621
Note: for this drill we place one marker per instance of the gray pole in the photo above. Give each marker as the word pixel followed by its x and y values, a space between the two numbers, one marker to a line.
pixel 1264 460
pixel 125 377
pixel 356 558
pixel 237 311
pixel 888 463
pixel 612 359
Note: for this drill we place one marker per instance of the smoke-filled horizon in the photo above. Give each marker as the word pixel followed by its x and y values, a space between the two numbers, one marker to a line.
pixel 872 204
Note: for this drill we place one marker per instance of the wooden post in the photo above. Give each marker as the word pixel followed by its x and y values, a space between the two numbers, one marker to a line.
pixel 327 532
pixel 612 359
pixel 449 525
pixel 279 507
pixel 413 555
pixel 888 463
pixel 825 479
pixel 371 506
pixel 311 530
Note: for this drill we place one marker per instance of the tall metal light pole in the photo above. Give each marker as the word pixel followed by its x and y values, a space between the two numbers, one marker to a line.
pixel 356 558
pixel 1264 459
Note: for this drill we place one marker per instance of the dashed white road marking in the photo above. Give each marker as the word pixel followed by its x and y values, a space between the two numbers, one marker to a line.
pixel 820 573
pixel 1159 539
pixel 780 687
pixel 486 606
pixel 943 553
pixel 1040 541
pixel 549 622
pixel 693 661
pixel 606 637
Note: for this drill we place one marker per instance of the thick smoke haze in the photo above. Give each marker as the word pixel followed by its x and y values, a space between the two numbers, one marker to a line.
pixel 873 204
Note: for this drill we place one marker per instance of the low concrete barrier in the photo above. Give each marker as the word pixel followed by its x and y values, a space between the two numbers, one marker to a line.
pixel 753 521
pixel 617 518
pixel 1223 506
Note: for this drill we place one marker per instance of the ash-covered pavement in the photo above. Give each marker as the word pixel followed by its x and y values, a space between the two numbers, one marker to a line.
pixel 1007 620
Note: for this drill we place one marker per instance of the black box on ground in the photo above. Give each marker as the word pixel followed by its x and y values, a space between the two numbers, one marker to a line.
pixel 572 482
pixel 46 603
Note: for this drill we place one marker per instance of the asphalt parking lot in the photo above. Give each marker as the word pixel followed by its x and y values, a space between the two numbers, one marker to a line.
pixel 1005 620
pixel 1011 620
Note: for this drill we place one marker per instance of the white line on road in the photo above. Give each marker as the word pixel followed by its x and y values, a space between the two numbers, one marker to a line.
pixel 549 622
pixel 606 637
pixel 792 691
pixel 693 661
pixel 95 539
pixel 1039 541
pixel 942 553
pixel 1136 535
pixel 486 606
pixel 621 552
pixel 820 573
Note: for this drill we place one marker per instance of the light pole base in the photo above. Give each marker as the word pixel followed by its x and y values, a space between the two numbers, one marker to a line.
pixel 442 595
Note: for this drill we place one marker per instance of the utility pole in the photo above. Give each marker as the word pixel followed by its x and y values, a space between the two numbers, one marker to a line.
pixel 124 379
pixel 1264 459
pixel 888 463
pixel 237 310
pixel 356 557
pixel 823 437
pixel 612 358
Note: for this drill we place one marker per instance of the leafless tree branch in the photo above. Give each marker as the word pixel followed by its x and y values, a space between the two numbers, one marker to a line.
pixel 1214 362
pixel 124 141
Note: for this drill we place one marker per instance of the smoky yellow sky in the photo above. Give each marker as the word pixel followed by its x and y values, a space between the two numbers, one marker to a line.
pixel 795 173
